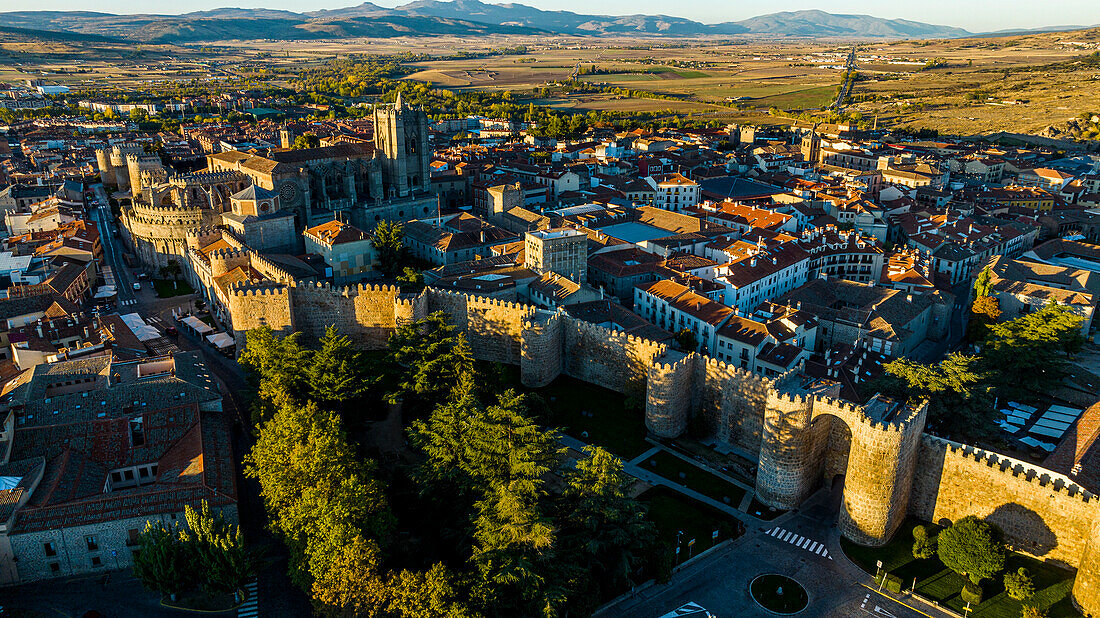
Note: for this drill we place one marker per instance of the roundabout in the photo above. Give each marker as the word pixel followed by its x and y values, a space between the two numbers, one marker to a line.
pixel 778 594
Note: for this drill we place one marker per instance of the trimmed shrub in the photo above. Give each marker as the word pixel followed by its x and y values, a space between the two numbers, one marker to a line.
pixel 971 593
pixel 1030 611
pixel 1019 585
pixel 924 544
pixel 892 583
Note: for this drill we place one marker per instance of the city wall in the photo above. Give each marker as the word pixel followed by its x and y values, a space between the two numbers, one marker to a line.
pixel 890 468
pixel 1042 513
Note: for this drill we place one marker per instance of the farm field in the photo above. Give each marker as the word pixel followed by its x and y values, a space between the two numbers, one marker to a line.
pixel 964 86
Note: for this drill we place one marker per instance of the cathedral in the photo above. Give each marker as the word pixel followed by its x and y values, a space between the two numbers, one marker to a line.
pixel 270 199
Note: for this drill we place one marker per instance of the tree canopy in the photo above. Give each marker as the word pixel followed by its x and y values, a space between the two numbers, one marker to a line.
pixel 469 522
pixel 972 547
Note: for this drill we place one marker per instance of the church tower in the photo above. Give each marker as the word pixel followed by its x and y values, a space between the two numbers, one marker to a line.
pixel 401 137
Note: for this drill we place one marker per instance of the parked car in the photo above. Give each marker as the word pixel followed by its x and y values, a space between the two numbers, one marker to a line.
pixel 171 331
pixel 137 285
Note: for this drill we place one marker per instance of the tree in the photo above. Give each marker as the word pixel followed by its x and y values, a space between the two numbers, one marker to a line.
pixel 685 339
pixel 389 243
pixel 983 283
pixel 924 544
pixel 317 490
pixel 219 549
pixel 514 537
pixel 1029 354
pixel 336 374
pixel 163 562
pixel 985 311
pixel 138 114
pixel 278 368
pixel 433 357
pixel 171 270
pixel 1031 611
pixel 411 279
pixel 1019 585
pixel 601 526
pixel 306 140
pixel 346 582
pixel 972 547
pixel 434 593
pixel 957 392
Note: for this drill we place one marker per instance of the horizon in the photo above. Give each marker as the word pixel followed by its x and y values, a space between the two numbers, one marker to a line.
pixel 982 16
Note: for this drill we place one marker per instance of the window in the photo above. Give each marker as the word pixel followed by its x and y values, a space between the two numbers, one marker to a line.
pixel 50 548
pixel 96 561
pixel 93 545
pixel 55 567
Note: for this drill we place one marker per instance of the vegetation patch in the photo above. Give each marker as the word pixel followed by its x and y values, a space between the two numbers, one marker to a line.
pixel 693 477
pixel 168 289
pixel 680 519
pixel 779 594
pixel 934 581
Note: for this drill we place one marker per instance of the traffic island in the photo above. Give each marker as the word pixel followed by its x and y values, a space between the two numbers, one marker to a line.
pixel 778 594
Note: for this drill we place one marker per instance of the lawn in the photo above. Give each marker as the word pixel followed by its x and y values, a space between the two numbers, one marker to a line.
pixel 693 477
pixel 595 415
pixel 936 582
pixel 167 289
pixel 672 512
pixel 584 411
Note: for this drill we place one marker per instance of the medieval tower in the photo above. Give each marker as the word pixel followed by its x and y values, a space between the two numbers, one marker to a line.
pixel 401 136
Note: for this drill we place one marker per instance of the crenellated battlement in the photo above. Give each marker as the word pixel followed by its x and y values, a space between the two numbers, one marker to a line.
pixel 205 178
pixel 1015 468
pixel 257 288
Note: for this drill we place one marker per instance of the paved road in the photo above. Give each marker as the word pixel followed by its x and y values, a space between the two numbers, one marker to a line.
pixel 803 545
pixel 114 269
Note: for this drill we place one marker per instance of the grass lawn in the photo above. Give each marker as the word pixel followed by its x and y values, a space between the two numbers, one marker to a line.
pixel 766 591
pixel 936 582
pixel 693 477
pixel 672 512
pixel 166 289
pixel 595 415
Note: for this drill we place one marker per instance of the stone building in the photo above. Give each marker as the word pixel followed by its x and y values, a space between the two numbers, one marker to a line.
pixel 362 183
pixel 92 449
pixel 257 216
pixel 562 250
pixel 156 223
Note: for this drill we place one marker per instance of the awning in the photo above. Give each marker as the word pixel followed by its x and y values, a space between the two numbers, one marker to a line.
pixel 197 325
pixel 141 330
pixel 221 340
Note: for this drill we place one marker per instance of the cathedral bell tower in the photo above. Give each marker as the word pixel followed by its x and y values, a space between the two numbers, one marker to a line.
pixel 401 138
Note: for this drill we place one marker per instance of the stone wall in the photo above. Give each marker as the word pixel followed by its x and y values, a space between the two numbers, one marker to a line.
pixel 890 469
pixel 612 359
pixel 1042 513
pixel 541 347
pixel 257 305
pixel 667 409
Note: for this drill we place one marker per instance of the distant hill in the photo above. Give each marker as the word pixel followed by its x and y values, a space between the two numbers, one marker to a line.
pixel 818 24
pixel 22 35
pixel 472 17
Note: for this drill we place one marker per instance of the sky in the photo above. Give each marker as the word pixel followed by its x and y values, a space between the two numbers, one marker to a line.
pixel 973 15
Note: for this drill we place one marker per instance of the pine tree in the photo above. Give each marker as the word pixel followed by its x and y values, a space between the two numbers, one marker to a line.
pixel 336 373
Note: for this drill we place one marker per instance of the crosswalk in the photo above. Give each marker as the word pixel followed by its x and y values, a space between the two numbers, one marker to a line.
pixel 127 302
pixel 250 607
pixel 799 541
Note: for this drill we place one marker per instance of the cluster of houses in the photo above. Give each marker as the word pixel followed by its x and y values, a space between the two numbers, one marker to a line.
pixel 820 249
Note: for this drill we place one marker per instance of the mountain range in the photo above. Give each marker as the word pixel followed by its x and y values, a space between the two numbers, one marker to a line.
pixel 471 17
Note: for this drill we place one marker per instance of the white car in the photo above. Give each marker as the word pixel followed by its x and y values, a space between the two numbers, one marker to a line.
pixel 137 285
